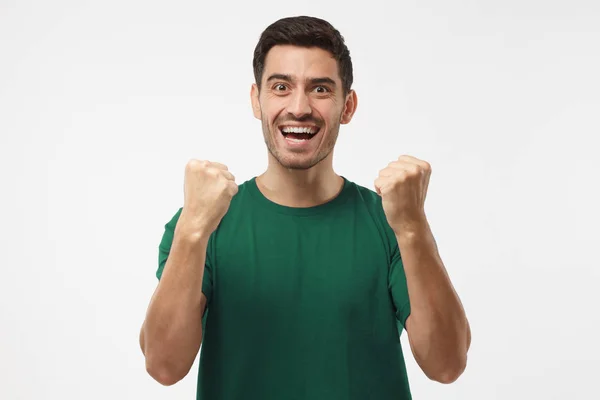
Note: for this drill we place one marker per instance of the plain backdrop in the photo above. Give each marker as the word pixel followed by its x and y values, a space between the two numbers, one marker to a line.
pixel 102 103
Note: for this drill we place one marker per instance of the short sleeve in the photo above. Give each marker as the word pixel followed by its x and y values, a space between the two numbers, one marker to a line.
pixel 164 249
pixel 398 287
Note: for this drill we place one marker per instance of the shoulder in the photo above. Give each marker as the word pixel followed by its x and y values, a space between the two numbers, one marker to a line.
pixel 369 199
pixel 367 195
pixel 245 190
pixel 169 231
pixel 371 203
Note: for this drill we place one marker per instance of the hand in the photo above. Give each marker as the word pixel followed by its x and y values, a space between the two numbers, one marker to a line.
pixel 208 190
pixel 402 186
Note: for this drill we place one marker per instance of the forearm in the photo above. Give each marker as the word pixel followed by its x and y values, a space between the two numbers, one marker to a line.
pixel 172 331
pixel 438 328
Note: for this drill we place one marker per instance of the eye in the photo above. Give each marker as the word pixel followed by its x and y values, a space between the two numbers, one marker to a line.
pixel 280 87
pixel 321 89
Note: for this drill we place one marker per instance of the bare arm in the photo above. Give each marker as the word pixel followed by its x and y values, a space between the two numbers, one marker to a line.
pixel 172 331
pixel 438 329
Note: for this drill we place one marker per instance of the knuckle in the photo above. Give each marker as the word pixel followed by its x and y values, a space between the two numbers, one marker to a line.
pixel 196 165
pixel 213 172
pixel 192 164
pixel 229 189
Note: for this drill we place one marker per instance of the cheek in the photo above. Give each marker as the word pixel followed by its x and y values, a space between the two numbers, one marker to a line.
pixel 271 111
pixel 330 114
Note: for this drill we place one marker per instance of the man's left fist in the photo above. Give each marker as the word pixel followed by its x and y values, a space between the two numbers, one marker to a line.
pixel 402 186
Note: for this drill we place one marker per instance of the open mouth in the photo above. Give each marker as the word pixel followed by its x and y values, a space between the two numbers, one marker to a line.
pixel 299 133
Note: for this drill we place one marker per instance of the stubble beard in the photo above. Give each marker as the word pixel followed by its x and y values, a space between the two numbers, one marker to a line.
pixel 298 163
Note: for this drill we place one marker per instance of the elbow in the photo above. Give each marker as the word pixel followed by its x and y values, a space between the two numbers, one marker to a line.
pixel 450 373
pixel 447 377
pixel 163 372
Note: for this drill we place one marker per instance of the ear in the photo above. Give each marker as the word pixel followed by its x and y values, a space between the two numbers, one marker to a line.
pixel 349 107
pixel 255 102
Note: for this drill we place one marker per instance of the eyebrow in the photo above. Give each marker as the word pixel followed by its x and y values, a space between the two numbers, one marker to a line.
pixel 314 81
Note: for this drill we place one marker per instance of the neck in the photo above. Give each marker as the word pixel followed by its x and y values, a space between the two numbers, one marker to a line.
pixel 300 188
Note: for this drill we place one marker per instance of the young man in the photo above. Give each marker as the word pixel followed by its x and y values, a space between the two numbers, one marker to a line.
pixel 299 282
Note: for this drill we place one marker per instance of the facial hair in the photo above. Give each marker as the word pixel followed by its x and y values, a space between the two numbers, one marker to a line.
pixel 300 162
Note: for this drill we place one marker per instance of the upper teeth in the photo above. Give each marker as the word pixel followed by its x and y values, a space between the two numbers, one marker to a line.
pixel 300 129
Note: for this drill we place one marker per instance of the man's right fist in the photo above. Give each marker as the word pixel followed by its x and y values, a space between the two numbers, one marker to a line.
pixel 208 190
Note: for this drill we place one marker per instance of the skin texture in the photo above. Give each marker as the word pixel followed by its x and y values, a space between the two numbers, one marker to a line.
pixel 301 86
pixel 305 177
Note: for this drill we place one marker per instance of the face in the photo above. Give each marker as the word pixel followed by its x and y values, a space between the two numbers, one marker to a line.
pixel 301 105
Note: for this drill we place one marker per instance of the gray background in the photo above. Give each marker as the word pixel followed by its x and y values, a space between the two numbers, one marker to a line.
pixel 102 104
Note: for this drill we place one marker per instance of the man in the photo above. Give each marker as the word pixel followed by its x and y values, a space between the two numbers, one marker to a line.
pixel 299 282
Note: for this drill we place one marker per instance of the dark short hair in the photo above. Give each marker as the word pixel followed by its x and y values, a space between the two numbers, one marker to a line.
pixel 304 31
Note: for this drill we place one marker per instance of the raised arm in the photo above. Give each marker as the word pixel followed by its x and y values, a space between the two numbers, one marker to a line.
pixel 172 331
pixel 438 329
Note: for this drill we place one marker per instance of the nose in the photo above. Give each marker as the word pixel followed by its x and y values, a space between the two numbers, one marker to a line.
pixel 299 104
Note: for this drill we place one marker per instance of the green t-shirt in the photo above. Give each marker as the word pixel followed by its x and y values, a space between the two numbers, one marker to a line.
pixel 303 303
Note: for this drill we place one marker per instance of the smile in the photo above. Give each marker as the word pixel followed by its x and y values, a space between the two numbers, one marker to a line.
pixel 299 133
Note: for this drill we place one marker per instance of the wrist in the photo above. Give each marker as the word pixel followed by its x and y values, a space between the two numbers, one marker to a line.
pixel 409 228
pixel 192 229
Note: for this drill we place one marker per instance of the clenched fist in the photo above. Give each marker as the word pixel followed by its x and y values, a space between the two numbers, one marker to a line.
pixel 208 190
pixel 402 186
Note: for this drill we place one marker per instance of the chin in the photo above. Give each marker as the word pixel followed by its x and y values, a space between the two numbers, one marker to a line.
pixel 296 163
pixel 299 161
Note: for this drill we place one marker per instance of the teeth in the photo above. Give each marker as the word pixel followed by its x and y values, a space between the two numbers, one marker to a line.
pixel 298 129
pixel 296 140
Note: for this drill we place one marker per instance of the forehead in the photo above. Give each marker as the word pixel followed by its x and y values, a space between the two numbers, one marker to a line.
pixel 301 62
